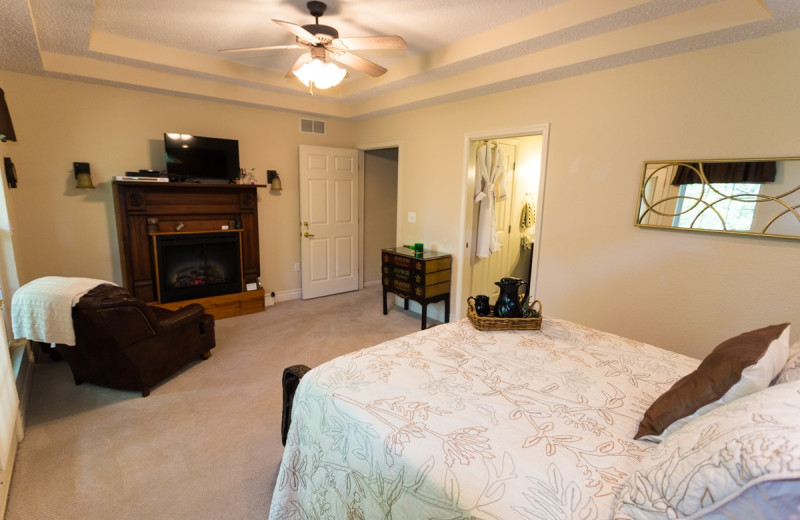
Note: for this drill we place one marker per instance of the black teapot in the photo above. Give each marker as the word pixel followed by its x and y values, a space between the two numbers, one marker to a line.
pixel 510 302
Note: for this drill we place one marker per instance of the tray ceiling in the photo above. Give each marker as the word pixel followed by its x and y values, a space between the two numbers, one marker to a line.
pixel 455 49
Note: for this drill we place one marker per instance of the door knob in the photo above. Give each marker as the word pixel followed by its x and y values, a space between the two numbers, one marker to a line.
pixel 307 234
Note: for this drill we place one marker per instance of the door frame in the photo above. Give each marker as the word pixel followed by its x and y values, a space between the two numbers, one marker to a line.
pixel 362 148
pixel 463 274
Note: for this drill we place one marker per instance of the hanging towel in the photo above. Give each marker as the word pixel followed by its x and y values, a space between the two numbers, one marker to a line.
pixel 490 186
pixel 526 222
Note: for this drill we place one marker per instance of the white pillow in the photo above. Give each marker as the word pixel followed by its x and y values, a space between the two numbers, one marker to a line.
pixel 742 456
pixel 791 370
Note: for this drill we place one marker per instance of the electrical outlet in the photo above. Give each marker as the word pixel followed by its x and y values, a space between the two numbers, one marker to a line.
pixel 412 216
pixel 296 267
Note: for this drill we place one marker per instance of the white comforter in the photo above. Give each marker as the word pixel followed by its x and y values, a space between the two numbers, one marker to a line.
pixel 452 422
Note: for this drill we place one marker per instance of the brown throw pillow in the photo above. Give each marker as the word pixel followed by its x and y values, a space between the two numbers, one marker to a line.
pixel 738 366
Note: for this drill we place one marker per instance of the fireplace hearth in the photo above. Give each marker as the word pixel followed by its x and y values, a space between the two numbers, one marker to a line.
pixel 197 265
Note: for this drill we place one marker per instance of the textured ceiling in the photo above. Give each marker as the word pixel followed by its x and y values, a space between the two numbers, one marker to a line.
pixel 455 49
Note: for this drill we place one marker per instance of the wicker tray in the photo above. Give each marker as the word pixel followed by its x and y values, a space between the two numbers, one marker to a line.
pixel 491 322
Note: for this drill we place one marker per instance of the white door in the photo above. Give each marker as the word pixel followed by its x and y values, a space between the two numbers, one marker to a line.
pixel 486 271
pixel 329 220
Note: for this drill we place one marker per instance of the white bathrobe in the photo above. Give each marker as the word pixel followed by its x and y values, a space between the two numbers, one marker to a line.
pixel 490 186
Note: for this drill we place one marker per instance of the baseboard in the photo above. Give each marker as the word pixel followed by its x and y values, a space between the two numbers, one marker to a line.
pixel 296 294
pixel 282 296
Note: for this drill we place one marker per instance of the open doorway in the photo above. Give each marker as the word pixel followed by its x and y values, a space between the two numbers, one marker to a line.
pixel 379 225
pixel 518 215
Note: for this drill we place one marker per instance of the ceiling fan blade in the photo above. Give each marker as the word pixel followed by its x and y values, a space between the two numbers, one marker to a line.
pixel 369 42
pixel 270 48
pixel 298 31
pixel 358 63
pixel 302 60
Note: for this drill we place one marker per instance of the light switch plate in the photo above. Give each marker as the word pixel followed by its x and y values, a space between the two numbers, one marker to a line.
pixel 412 216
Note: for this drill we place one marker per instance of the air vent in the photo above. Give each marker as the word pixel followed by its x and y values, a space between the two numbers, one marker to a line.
pixel 311 126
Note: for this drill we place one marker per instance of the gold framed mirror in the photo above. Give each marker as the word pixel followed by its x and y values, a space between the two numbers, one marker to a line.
pixel 756 197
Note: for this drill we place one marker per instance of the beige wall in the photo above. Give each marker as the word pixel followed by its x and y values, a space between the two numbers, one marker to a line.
pixel 680 290
pixel 64 231
pixel 380 209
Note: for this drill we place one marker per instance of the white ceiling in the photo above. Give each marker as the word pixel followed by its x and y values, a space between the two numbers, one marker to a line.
pixel 456 49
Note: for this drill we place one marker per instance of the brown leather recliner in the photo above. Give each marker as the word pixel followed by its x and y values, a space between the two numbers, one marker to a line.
pixel 121 342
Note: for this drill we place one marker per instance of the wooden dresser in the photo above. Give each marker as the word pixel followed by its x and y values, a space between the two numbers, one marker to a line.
pixel 423 277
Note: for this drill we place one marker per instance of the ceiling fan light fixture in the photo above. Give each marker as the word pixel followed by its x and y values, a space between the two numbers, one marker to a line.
pixel 323 74
pixel 314 69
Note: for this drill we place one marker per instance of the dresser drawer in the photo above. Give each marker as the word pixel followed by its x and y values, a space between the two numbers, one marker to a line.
pixel 416 264
pixel 415 277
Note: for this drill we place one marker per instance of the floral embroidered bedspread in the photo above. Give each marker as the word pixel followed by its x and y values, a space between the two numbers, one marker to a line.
pixel 452 422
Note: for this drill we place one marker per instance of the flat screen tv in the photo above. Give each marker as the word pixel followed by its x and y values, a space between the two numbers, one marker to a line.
pixel 191 158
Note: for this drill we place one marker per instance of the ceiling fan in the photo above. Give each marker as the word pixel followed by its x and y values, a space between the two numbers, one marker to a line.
pixel 323 42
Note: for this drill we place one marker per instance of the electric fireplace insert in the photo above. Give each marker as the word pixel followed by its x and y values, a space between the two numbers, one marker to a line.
pixel 198 265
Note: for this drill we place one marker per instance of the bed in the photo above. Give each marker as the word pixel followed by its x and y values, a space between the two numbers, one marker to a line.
pixel 452 422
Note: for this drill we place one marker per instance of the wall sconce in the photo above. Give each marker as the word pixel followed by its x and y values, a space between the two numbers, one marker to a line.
pixel 274 181
pixel 6 128
pixel 82 176
pixel 11 172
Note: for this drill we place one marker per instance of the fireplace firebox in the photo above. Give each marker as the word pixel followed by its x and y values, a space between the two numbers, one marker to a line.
pixel 197 265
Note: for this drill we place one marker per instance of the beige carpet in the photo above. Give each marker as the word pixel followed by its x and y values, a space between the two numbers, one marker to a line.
pixel 206 443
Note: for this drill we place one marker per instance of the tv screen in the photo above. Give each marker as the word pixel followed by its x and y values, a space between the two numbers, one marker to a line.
pixel 191 158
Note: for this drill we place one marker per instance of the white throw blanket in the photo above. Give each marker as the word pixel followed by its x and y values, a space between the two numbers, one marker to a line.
pixel 41 310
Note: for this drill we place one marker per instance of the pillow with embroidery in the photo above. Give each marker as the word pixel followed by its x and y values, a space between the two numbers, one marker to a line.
pixel 741 460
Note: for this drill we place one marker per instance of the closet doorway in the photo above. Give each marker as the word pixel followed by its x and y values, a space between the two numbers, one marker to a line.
pixel 517 218
pixel 379 199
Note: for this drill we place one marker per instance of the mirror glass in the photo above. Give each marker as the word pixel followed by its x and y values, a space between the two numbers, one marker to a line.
pixel 758 197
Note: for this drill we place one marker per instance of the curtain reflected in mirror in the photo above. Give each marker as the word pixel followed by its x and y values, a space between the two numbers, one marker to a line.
pixel 758 197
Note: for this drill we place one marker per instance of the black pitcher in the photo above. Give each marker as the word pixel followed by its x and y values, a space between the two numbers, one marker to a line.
pixel 509 303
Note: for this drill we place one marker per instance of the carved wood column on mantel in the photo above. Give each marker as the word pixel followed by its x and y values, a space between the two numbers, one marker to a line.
pixel 185 207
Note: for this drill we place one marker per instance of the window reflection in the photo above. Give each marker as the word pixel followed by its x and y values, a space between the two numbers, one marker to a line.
pixel 725 207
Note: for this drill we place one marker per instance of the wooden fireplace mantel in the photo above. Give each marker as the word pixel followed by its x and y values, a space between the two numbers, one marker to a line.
pixel 144 208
